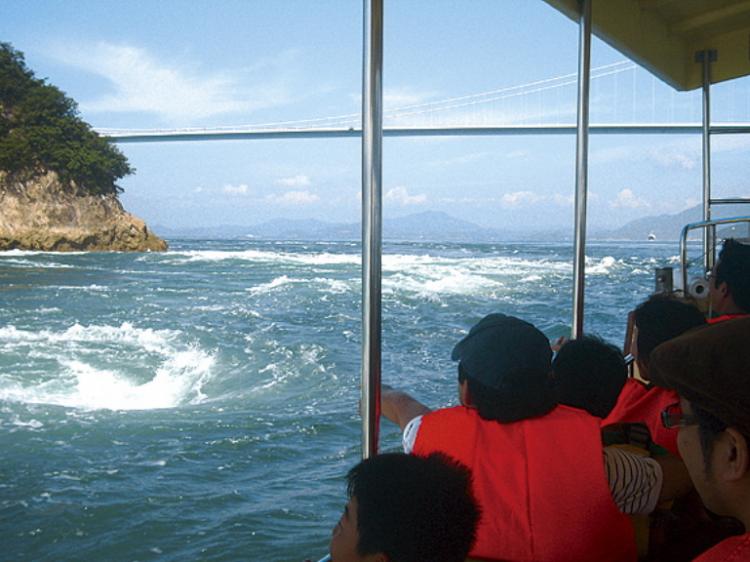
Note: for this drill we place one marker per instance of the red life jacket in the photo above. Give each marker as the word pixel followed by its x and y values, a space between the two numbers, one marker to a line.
pixel 733 549
pixel 639 403
pixel 540 482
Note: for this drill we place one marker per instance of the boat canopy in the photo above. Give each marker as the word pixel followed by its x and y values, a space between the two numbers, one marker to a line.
pixel 664 36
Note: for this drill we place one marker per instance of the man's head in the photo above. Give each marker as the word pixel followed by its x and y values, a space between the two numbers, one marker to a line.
pixel 658 320
pixel 405 508
pixel 589 374
pixel 729 286
pixel 506 364
pixel 709 367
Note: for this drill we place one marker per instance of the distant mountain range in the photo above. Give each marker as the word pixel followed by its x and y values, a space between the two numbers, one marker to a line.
pixel 429 225
pixel 437 226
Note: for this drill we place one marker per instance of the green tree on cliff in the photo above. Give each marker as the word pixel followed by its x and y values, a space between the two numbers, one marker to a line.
pixel 40 130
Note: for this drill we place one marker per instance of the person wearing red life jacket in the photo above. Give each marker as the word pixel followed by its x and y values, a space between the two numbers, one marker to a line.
pixel 708 368
pixel 540 474
pixel 656 320
pixel 729 282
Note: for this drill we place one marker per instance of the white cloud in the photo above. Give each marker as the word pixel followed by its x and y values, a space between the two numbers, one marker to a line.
pixel 672 158
pixel 292 198
pixel 401 196
pixel 235 189
pixel 300 180
pixel 141 83
pixel 447 163
pixel 396 98
pixel 618 154
pixel 516 200
pixel 626 199
pixel 674 206
pixel 400 97
pixel 519 198
pixel 569 200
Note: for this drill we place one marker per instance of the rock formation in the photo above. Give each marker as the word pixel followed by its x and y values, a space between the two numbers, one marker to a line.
pixel 43 214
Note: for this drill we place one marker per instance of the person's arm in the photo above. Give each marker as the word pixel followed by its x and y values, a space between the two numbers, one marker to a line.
pixel 400 408
pixel 639 483
pixel 635 481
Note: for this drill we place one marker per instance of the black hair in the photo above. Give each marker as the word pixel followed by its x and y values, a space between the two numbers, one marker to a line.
pixel 733 268
pixel 524 399
pixel 589 375
pixel 660 319
pixel 414 509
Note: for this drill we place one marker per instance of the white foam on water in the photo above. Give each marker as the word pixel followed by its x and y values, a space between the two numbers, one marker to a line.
pixel 604 266
pixel 175 383
pixel 320 284
pixel 265 256
pixel 51 310
pixel 32 423
pixel 33 263
pixel 288 363
pixel 434 278
pixel 274 284
pixel 334 286
pixel 103 367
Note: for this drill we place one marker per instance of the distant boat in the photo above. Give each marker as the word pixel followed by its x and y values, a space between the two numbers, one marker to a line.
pixel 652 236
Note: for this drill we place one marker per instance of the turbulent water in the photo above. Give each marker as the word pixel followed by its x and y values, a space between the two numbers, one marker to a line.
pixel 201 404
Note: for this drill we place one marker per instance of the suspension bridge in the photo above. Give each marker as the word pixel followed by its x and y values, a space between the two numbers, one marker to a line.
pixel 625 100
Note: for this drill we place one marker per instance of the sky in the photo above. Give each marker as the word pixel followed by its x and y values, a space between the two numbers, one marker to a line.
pixel 169 64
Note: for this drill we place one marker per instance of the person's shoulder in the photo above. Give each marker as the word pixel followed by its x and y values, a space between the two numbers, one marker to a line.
pixel 450 411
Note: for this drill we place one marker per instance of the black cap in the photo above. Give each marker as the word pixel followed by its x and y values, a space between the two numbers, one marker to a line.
pixel 499 345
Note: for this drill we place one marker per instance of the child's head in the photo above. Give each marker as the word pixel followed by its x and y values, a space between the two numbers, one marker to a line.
pixel 405 508
pixel 658 320
pixel 589 375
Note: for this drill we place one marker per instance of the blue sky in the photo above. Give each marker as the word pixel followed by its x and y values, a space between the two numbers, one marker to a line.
pixel 187 63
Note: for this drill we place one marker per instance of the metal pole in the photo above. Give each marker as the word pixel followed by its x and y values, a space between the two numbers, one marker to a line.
pixel 706 57
pixel 372 143
pixel 582 148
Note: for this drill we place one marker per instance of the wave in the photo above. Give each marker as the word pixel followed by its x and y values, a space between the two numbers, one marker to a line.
pixel 603 266
pixel 25 262
pixel 103 367
pixel 322 284
pixel 179 258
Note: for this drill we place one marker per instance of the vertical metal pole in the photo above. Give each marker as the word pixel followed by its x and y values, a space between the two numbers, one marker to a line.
pixel 582 155
pixel 706 57
pixel 372 144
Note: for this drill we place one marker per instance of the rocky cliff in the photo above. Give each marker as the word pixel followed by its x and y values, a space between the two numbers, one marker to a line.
pixel 43 214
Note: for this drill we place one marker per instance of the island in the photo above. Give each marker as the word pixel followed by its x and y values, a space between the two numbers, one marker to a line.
pixel 58 177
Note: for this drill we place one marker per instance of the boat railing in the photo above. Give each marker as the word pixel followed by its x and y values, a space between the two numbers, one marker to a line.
pixel 698 288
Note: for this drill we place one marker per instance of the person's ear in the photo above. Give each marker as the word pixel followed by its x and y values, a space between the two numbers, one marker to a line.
pixel 464 395
pixel 723 289
pixel 733 456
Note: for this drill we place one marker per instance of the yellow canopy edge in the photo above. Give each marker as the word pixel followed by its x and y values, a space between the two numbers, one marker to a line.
pixel 663 36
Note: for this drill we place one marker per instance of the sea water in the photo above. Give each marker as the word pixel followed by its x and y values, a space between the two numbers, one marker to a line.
pixel 202 404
